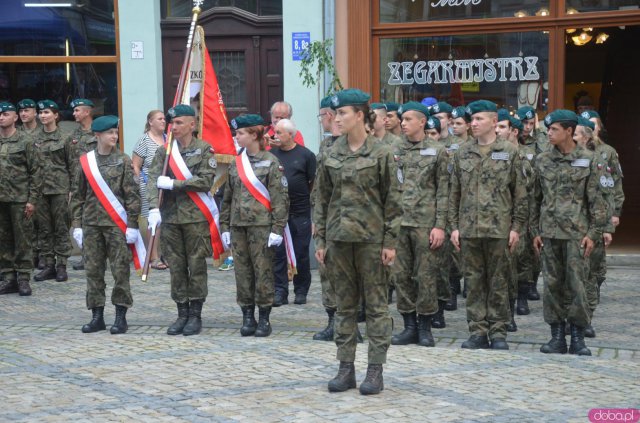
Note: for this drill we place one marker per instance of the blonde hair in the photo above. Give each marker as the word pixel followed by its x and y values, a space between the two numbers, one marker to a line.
pixel 151 114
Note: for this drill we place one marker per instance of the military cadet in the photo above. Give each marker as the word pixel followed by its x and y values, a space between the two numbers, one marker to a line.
pixel 379 131
pixel 568 215
pixel 20 185
pixel 422 172
pixel 105 182
pixel 487 206
pixel 185 239
pixel 460 123
pixel 57 164
pixel 357 215
pixel 255 209
pixel 392 124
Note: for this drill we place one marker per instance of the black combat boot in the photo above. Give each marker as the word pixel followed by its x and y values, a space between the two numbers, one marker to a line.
pixel 345 379
pixel 410 333
pixel 465 290
pixel 557 344
pixel 194 323
pixel 24 289
pixel 589 332
pixel 249 323
pixel 511 326
pixel 437 320
pixel 476 342
pixel 47 273
pixel 452 303
pixel 120 324
pixel 390 295
pixel 577 345
pixel 533 294
pixel 264 326
pixel 61 273
pixel 522 307
pixel 373 382
pixel 425 337
pixel 499 344
pixel 362 314
pixel 9 284
pixel 42 262
pixel 327 333
pixel 97 321
pixel 183 315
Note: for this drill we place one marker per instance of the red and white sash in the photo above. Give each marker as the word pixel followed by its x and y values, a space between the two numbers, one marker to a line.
pixel 111 204
pixel 261 194
pixel 204 200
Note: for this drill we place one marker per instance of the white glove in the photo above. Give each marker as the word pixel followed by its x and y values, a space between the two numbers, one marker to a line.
pixel 154 220
pixel 164 182
pixel 131 235
pixel 274 240
pixel 77 235
pixel 226 240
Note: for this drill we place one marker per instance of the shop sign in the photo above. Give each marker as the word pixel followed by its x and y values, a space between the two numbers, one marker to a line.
pixel 443 3
pixel 464 71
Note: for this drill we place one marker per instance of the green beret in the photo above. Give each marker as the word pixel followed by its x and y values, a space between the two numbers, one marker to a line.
pixel 325 102
pixel 26 103
pixel 503 114
pixel 5 106
pixel 441 107
pixel 433 123
pixel 582 121
pixel 246 121
pixel 179 110
pixel 81 102
pixel 376 106
pixel 414 105
pixel 516 123
pixel 104 123
pixel 588 114
pixel 349 97
pixel 392 107
pixel 526 112
pixel 560 115
pixel 460 112
pixel 47 104
pixel 481 106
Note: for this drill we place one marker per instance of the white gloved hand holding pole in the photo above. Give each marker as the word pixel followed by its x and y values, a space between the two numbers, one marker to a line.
pixel 274 240
pixel 131 235
pixel 154 220
pixel 164 182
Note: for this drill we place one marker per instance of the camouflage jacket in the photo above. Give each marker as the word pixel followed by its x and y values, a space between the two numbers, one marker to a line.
pixel 608 165
pixel 535 143
pixel 488 196
pixel 82 142
pixel 326 143
pixel 568 199
pixel 424 182
pixel 30 133
pixel 358 198
pixel 20 179
pixel 240 207
pixel 56 161
pixel 389 139
pixel 117 171
pixel 177 206
pixel 452 143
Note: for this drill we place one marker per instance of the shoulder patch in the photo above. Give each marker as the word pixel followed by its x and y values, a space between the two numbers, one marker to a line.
pixel 213 163
pixel 284 181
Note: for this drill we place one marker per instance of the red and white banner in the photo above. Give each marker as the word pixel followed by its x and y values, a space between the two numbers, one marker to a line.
pixel 112 205
pixel 204 200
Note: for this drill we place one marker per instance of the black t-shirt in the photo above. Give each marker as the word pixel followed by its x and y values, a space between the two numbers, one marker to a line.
pixel 300 169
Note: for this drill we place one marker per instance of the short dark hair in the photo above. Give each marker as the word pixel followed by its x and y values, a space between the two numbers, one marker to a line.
pixel 572 125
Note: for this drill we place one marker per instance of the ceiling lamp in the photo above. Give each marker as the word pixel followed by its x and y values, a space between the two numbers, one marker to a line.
pixel 521 14
pixel 602 37
pixel 543 12
pixel 581 39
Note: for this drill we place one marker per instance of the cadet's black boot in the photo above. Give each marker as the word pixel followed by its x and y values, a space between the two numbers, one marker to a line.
pixel 476 342
pixel 61 273
pixel 522 307
pixel 410 333
pixel 452 303
pixel 425 337
pixel 577 346
pixel 499 344
pixel 327 333
pixel 373 382
pixel 345 379
pixel 533 294
pixel 120 324
pixel 42 262
pixel 183 315
pixel 465 291
pixel 437 320
pixel 557 344
pixel 589 332
pixel 194 324
pixel 97 321
pixel 264 326
pixel 79 265
pixel 390 297
pixel 362 314
pixel 24 289
pixel 511 326
pixel 47 273
pixel 9 284
pixel 249 323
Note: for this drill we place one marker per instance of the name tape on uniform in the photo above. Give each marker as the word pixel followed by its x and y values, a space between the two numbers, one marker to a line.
pixel 263 163
pixel 580 163
pixel 500 155
pixel 428 152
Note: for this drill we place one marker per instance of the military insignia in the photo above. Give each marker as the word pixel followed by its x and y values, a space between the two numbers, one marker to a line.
pixel 502 155
pixel 40 105
pixel 428 152
pixel 454 114
pixel 608 169
pixel 529 114
pixel 234 124
pixel 530 156
pixel 335 100
pixel 400 176
pixel 603 181
pixel 468 110
pixel 400 110
pixel 547 120
pixel 74 141
pixel 430 123
pixel 211 150
pixel 281 168
pixel 435 108
pixel 610 182
pixel 585 115
pixel 213 163
pixel 396 157
pixel 450 168
pixel 604 155
pixel 580 163
pixel 284 181
pixel 172 112
pixel 599 166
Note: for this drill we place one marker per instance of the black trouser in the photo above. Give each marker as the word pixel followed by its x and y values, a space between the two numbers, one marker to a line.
pixel 300 227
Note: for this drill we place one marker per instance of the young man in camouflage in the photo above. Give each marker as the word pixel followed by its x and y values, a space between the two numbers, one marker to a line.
pixel 487 213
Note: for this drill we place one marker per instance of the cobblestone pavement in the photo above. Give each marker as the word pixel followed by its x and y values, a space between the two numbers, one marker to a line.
pixel 50 371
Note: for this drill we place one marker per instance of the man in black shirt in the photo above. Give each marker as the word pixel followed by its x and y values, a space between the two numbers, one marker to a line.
pixel 300 170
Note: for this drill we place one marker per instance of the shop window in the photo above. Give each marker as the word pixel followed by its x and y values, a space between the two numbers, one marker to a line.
pixel 230 70
pixel 578 6
pixel 399 11
pixel 510 69
pixel 183 8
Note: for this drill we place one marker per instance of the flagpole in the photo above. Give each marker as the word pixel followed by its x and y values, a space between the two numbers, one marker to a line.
pixel 170 141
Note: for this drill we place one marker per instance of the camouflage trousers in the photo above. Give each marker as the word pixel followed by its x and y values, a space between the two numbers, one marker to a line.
pixel 15 236
pixel 526 260
pixel 566 273
pixel 253 265
pixel 443 272
pixel 597 274
pixel 486 266
pixel 52 215
pixel 415 272
pixel 356 271
pixel 513 276
pixel 101 243
pixel 186 247
pixel 328 290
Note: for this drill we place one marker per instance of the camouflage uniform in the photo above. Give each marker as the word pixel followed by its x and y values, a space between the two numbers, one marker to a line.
pixel 185 240
pixel 101 237
pixel 20 183
pixel 357 213
pixel 35 239
pixel 57 163
pixel 568 206
pixel 81 142
pixel 250 224
pixel 422 168
pixel 389 139
pixel 487 200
